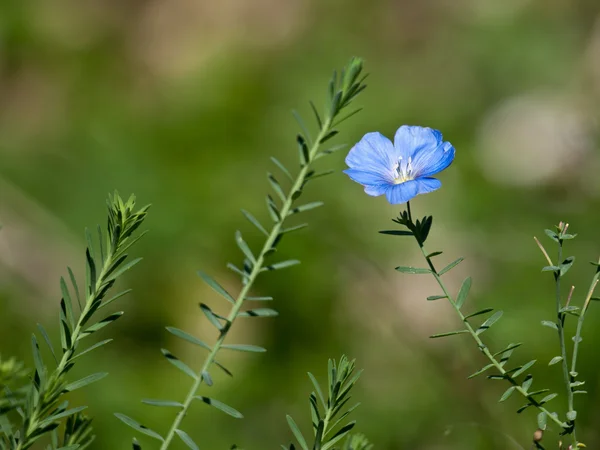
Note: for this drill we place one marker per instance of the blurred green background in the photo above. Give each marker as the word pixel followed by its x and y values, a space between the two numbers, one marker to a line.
pixel 182 102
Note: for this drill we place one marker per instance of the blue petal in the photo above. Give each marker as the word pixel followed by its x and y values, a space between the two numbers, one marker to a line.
pixel 410 140
pixel 428 162
pixel 365 178
pixel 376 190
pixel 373 153
pixel 427 185
pixel 403 192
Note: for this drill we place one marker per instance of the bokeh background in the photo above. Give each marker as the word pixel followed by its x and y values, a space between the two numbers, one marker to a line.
pixel 182 102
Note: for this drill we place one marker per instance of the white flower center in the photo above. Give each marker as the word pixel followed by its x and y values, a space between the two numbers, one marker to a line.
pixel 403 172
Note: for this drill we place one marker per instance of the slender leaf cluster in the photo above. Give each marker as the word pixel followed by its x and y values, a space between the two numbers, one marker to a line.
pixel 43 408
pixel 327 415
pixel 281 206
pixel 570 375
pixel 518 377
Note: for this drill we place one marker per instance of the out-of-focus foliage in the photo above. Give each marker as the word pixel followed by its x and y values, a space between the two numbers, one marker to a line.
pixel 183 102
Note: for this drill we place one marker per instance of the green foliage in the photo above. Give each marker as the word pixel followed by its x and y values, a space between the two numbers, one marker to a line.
pixel 342 90
pixel 325 414
pixel 43 408
pixel 518 377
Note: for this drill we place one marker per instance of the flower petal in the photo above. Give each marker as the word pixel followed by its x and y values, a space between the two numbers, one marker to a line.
pixel 409 140
pixel 428 162
pixel 373 153
pixel 403 192
pixel 376 190
pixel 426 185
pixel 365 178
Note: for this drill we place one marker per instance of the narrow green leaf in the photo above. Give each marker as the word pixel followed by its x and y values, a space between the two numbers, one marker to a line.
pixel 463 292
pixel 85 381
pixel 222 406
pixel 541 391
pixel 552 235
pixel 550 324
pixel 450 333
pixel 37 360
pixel 524 368
pixel 188 337
pixel 260 299
pixel 138 427
pixel 550 269
pixel 451 266
pixel 116 297
pixel 254 221
pixel 273 211
pixel 48 341
pixel 216 286
pixel 527 383
pixel 276 187
pixel 212 318
pixel 317 389
pixel 281 265
pixel 282 168
pixel 397 232
pixel 317 117
pixel 46 422
pixel 339 435
pixel 207 378
pixel 566 265
pixel 436 297
pixel 547 398
pixel 244 348
pixel 122 270
pixel 523 408
pixel 489 322
pixel 93 347
pixel 555 360
pixel 331 150
pixel 178 363
pixel 259 312
pixel 507 393
pixel 302 150
pixel 478 313
pixel 412 270
pixel 187 440
pixel 68 303
pixel 75 287
pixel 507 349
pixel 480 371
pixel 542 420
pixel 101 324
pixel 328 136
pixel 162 403
pixel 297 433
pixel 291 229
pixel 244 247
pixel 306 207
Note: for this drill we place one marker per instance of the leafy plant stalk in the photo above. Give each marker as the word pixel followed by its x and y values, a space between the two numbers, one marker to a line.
pixel 340 95
pixel 560 326
pixel 482 347
pixel 41 412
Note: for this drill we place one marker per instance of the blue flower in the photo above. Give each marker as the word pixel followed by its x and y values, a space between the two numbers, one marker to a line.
pixel 403 169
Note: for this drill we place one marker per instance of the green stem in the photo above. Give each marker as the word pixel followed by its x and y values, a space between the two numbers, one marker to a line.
pixel 482 347
pixel 249 283
pixel 577 337
pixel 560 322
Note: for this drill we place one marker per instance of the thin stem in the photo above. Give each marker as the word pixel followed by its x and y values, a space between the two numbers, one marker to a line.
pixel 560 322
pixel 482 347
pixel 250 281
